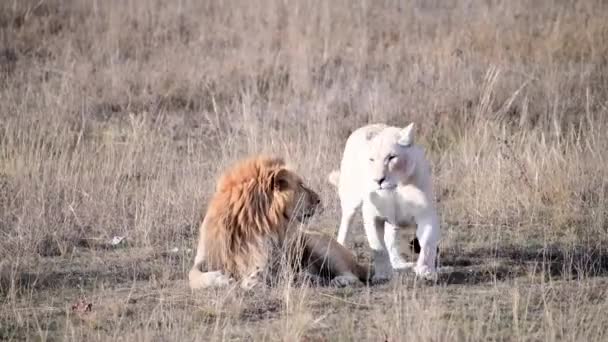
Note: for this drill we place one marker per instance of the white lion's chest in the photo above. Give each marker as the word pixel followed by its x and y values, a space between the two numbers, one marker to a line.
pixel 394 207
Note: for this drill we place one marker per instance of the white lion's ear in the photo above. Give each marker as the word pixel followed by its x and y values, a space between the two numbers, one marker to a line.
pixel 406 136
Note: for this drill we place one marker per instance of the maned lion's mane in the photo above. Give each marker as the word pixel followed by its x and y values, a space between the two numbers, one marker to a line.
pixel 246 215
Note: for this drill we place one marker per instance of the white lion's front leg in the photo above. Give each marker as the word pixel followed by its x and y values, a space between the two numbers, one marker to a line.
pixel 428 234
pixel 392 244
pixel 374 230
pixel 345 222
pixel 349 204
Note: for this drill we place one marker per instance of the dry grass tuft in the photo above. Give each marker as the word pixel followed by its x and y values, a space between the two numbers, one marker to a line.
pixel 117 116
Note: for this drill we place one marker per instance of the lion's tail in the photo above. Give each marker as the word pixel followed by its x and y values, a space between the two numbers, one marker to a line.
pixel 334 177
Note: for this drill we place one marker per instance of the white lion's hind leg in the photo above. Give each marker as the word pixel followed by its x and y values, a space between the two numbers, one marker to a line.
pixel 374 230
pixel 392 244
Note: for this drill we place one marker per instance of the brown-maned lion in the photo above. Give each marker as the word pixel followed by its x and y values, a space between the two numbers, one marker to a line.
pixel 247 231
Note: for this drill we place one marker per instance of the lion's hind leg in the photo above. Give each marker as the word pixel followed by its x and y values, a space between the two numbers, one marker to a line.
pixel 328 258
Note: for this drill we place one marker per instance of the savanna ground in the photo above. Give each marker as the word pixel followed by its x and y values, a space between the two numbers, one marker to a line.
pixel 117 116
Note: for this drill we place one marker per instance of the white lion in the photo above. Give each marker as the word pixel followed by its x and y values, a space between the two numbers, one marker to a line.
pixel 386 174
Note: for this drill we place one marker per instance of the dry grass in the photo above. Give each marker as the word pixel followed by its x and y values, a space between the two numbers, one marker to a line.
pixel 116 117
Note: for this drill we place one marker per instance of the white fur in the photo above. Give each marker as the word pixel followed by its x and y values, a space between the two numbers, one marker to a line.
pixel 391 192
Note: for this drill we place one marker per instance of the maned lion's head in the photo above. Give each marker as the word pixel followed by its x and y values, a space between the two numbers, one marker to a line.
pixel 301 202
pixel 268 186
pixel 390 157
pixel 254 203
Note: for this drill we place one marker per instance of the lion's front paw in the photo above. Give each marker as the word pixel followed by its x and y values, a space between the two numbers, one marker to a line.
pixel 200 280
pixel 225 281
pixel 252 281
pixel 401 265
pixel 380 279
pixel 381 275
pixel 426 273
pixel 345 280
pixel 383 269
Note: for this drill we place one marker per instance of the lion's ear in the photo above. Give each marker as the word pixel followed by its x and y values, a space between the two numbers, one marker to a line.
pixel 406 136
pixel 280 180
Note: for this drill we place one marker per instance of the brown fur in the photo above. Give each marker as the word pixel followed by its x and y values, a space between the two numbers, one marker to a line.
pixel 247 223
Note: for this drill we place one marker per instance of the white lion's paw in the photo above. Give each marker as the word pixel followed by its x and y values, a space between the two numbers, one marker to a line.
pixel 401 265
pixel 345 280
pixel 426 273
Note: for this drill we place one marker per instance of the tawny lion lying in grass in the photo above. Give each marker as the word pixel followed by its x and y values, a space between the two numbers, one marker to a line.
pixel 249 229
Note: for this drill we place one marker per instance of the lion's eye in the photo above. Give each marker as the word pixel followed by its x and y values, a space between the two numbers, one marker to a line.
pixel 371 159
pixel 391 157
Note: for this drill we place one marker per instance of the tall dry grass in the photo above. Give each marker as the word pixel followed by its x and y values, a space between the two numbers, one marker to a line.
pixel 117 116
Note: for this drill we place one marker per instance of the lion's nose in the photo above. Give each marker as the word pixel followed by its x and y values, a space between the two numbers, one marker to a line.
pixel 380 180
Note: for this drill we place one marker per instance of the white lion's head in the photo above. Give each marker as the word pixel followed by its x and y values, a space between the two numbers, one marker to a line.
pixel 391 158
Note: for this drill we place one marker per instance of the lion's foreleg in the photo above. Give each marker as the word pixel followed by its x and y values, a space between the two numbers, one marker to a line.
pixel 428 234
pixel 262 264
pixel 374 231
pixel 201 280
pixel 391 240
pixel 325 255
pixel 199 276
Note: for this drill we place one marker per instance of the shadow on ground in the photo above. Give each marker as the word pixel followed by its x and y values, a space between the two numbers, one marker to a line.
pixel 478 266
pixel 491 265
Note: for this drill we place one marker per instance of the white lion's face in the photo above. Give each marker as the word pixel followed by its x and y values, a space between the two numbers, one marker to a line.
pixel 390 159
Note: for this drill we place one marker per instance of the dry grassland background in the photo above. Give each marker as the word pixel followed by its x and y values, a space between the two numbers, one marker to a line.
pixel 116 117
